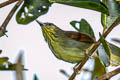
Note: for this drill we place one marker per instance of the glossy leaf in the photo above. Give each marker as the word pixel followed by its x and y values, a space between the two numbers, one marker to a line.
pixel 9 66
pixel 6 65
pixel 115 55
pixel 83 26
pixel 112 51
pixel 99 69
pixel 105 45
pixel 104 51
pixel 96 5
pixel 3 60
pixel 103 56
pixel 31 10
pixel 114 13
pixel 73 23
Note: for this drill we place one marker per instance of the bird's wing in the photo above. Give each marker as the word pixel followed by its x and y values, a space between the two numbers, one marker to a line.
pixel 78 36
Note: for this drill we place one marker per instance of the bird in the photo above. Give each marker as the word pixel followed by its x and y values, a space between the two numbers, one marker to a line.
pixel 69 46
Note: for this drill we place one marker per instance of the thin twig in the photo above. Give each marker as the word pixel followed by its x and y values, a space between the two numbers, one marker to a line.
pixel 94 49
pixel 19 68
pixel 4 25
pixel 7 3
pixel 87 70
pixel 109 74
pixel 116 40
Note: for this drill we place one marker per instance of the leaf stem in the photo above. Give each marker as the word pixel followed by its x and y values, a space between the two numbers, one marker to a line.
pixel 94 48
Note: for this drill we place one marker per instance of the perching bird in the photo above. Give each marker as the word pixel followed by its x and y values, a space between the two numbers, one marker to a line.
pixel 69 46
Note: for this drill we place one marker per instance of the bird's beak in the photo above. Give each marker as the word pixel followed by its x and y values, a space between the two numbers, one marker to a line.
pixel 41 24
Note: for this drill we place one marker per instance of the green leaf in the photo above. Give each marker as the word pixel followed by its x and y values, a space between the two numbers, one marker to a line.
pixel 112 51
pixel 104 51
pixel 105 45
pixel 2 67
pixel 114 13
pixel 6 65
pixel 3 60
pixel 73 23
pixel 9 66
pixel 115 55
pixel 13 67
pixel 31 10
pixel 35 77
pixel 99 69
pixel 84 27
pixel 103 56
pixel 96 5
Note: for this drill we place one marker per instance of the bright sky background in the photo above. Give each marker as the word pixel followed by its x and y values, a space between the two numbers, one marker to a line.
pixel 37 55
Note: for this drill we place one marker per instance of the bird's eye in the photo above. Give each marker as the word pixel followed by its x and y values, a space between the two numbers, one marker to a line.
pixel 49 24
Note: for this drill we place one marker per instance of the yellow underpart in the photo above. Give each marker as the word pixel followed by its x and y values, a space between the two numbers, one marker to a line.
pixel 51 42
pixel 62 54
pixel 65 53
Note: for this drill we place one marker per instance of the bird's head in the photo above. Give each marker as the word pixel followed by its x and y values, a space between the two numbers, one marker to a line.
pixel 48 27
pixel 49 30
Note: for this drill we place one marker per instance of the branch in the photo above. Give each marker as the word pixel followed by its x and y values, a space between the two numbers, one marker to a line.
pixel 4 25
pixel 116 40
pixel 19 68
pixel 7 3
pixel 109 74
pixel 94 48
